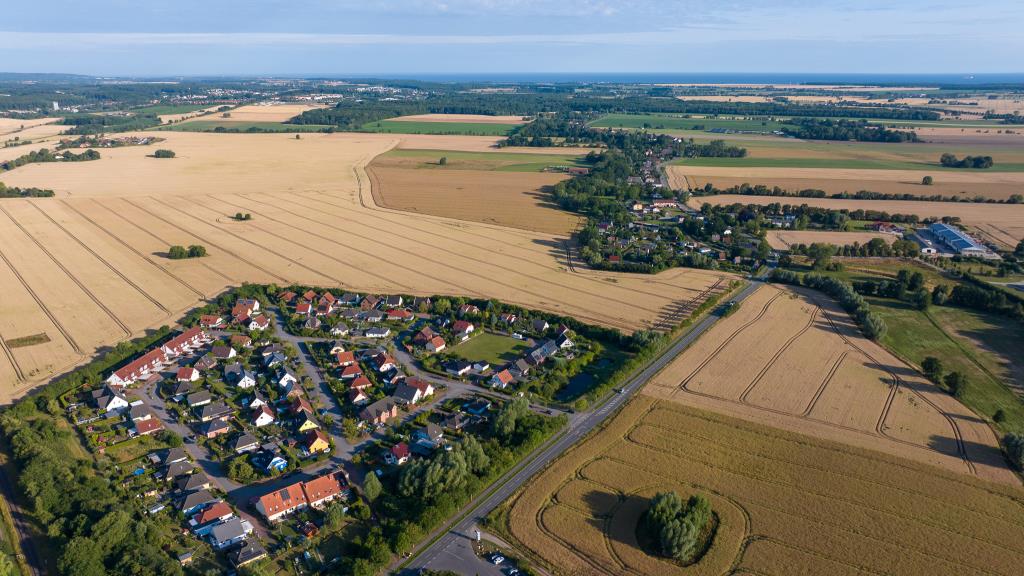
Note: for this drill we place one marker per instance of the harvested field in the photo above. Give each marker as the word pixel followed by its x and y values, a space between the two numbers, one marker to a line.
pixel 999 223
pixel 942 187
pixel 783 239
pixel 89 267
pixel 518 200
pixel 792 359
pixel 787 503
pixel 264 113
pixel 471 118
pixel 10 127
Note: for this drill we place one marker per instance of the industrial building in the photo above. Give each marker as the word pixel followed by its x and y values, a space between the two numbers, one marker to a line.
pixel 958 242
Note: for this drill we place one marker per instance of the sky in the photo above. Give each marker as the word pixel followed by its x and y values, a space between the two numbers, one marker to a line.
pixel 409 37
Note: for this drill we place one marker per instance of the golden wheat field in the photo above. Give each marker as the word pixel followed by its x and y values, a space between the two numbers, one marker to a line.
pixel 783 239
pixel 1000 223
pixel 787 503
pixel 263 113
pixel 794 360
pixel 89 267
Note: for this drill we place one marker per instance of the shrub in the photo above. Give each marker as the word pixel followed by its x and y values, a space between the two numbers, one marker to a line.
pixel 163 153
pixel 675 525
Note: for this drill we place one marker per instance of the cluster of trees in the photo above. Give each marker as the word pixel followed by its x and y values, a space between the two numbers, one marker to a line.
pixel 908 287
pixel 1013 445
pixel 241 217
pixel 951 161
pixel 46 155
pixel 15 192
pixel 100 123
pixel 163 153
pixel 177 252
pixel 979 295
pixel 805 215
pixel 77 504
pixel 678 527
pixel 876 247
pixel 858 130
pixel 1014 118
pixel 956 382
pixel 870 323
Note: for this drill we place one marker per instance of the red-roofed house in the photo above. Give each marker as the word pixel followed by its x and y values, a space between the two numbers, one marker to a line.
pixel 148 426
pixel 358 396
pixel 502 379
pixel 425 388
pixel 201 524
pixel 384 362
pixel 350 372
pixel 360 383
pixel 399 454
pixel 345 358
pixel 288 296
pixel 139 368
pixel 462 329
pixel 281 502
pixel 185 342
pixel 304 308
pixel 258 322
pixel 399 314
pixel 187 374
pixel 309 295
pixel 210 321
pixel 320 491
pixel 435 344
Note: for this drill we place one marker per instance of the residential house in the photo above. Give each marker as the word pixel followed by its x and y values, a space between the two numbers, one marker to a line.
pixel 284 376
pixel 288 297
pixel 424 335
pixel 481 366
pixel 240 341
pixel 274 462
pixel 187 374
pixel 108 401
pixel 304 309
pixel 398 315
pixel 426 388
pixel 378 332
pixel 369 302
pixel 248 551
pixel 501 379
pixel 281 502
pixel 540 325
pixel 202 523
pixel 462 329
pixel 180 390
pixel 468 310
pixel 508 319
pixel 372 316
pixel 384 362
pixel 245 443
pixel 520 368
pixel 456 421
pixel 139 368
pixel 214 428
pixel 213 411
pixel 435 344
pixel 273 359
pixel 309 295
pixel 223 353
pixel 176 469
pixel 255 402
pixel 360 383
pixel 351 372
pixel 306 423
pixel 195 501
pixel 478 407
pixel 315 442
pixel 337 347
pixel 339 329
pixel 344 358
pixel 564 342
pixel 200 398
pixel 398 454
pixel 193 482
pixel 147 427
pixel 207 362
pixel 458 367
pixel 349 299
pixel 428 439
pixel 322 490
pixel 312 323
pixel 358 396
pixel 407 395
pixel 393 301
pixel 259 322
pixel 380 411
pixel 211 321
pixel 300 406
pixel 174 455
pixel 230 532
pixel 263 416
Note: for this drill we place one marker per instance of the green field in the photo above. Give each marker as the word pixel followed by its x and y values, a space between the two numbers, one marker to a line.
pixel 494 348
pixel 162 109
pixel 497 161
pixel 666 122
pixel 212 125
pixel 846 163
pixel 459 128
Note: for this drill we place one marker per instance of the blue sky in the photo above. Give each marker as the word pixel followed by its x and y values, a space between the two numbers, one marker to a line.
pixel 347 37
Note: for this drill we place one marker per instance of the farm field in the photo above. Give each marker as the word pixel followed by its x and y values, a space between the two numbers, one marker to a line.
pixel 783 239
pixel 796 361
pixel 89 266
pixel 674 122
pixel 500 160
pixel 12 126
pixel 999 223
pixel 787 503
pixel 394 126
pixel 266 113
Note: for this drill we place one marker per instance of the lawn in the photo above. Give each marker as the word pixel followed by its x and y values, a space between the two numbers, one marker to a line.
pixel 461 128
pixel 134 448
pixel 914 335
pixel 494 348
pixel 665 122
pixel 212 125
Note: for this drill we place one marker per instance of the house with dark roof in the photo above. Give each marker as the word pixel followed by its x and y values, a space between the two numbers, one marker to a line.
pixel 195 501
pixel 247 552
pixel 230 532
pixel 245 442
pixel 380 411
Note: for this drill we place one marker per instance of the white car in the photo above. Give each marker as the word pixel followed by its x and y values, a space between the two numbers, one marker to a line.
pixel 497 559
pixel 518 336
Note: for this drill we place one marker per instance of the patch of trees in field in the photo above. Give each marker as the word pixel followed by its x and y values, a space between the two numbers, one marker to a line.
pixel 180 252
pixel 977 294
pixel 1014 118
pixel 857 130
pixel 956 382
pixel 45 155
pixel 163 153
pixel 979 162
pixel 15 192
pixel 680 530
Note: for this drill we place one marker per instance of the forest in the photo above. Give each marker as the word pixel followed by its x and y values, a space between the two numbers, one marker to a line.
pixel 856 130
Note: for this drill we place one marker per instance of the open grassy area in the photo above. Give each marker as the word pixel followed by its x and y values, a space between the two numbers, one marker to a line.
pixel 212 125
pixel 670 122
pixel 463 128
pixel 456 160
pixel 494 348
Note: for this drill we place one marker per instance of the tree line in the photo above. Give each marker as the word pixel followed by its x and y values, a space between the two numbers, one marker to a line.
pixel 951 161
pixel 857 130
pixel 85 124
pixel 15 192
pixel 46 155
pixel 870 323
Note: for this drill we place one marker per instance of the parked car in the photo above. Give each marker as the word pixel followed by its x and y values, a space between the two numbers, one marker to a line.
pixel 518 336
pixel 497 559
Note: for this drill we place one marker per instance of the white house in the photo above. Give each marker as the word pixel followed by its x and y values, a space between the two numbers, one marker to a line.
pixel 263 416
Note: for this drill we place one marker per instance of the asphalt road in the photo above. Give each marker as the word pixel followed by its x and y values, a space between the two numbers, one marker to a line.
pixel 453 551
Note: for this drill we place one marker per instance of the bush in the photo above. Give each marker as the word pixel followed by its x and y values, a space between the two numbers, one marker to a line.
pixel 675 525
pixel 927 180
pixel 162 153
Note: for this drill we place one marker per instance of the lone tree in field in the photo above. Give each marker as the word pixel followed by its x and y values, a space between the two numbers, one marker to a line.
pixel 932 367
pixel 957 384
pixel 927 180
pixel 163 153
pixel 443 161
pixel 196 251
pixel 677 526
pixel 180 252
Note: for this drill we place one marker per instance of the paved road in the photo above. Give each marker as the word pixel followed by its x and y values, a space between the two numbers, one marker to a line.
pixel 453 550
pixel 21 524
